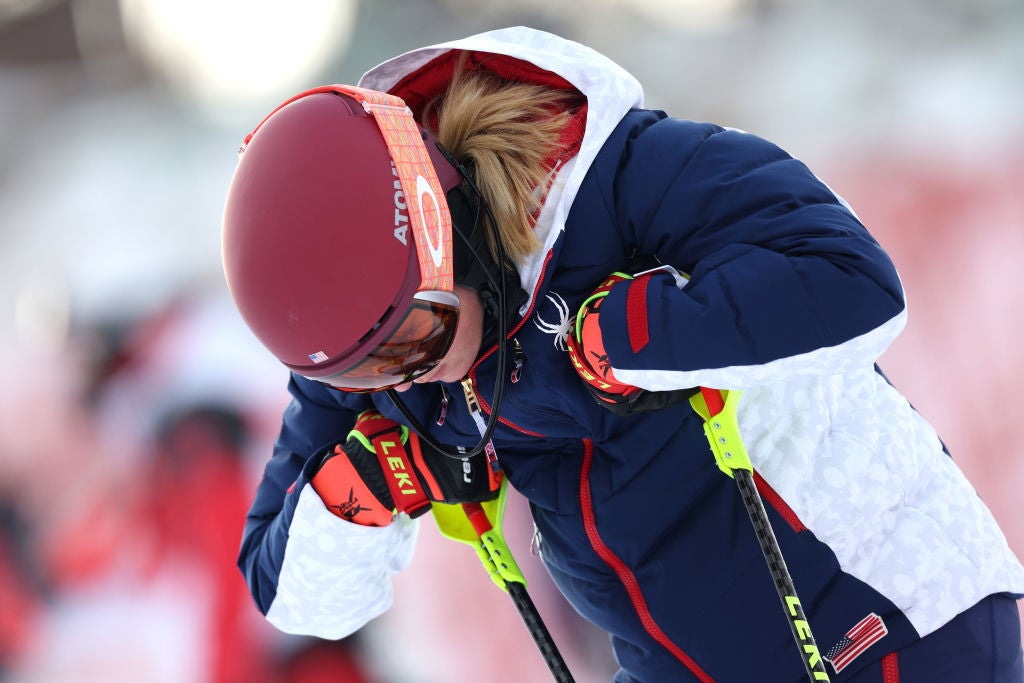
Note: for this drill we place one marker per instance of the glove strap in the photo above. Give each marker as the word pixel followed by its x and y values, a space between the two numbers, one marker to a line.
pixel 406 490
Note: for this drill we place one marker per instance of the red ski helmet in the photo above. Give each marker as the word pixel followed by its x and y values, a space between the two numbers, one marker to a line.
pixel 337 239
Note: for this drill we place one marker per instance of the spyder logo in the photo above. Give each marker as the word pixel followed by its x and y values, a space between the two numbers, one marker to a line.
pixel 562 328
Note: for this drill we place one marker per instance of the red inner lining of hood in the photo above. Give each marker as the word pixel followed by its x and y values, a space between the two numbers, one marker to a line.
pixel 420 86
pixel 417 87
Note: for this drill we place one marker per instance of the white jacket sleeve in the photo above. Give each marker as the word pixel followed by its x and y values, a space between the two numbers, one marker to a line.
pixel 336 575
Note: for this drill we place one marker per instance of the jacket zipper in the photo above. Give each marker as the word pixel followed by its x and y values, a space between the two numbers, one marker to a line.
pixel 517 361
pixel 493 468
pixel 520 356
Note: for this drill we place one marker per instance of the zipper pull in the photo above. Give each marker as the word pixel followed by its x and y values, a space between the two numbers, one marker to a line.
pixel 517 361
pixel 494 469
pixel 535 542
pixel 443 412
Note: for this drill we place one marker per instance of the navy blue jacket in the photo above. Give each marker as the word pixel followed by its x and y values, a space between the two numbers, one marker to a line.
pixel 788 297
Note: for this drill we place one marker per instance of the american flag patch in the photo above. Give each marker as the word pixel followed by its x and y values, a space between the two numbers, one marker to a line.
pixel 318 357
pixel 866 633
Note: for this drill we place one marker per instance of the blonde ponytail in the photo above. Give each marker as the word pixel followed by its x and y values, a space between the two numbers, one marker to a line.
pixel 508 130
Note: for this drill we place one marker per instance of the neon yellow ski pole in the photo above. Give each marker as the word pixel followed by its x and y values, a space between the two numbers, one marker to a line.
pixel 479 526
pixel 718 409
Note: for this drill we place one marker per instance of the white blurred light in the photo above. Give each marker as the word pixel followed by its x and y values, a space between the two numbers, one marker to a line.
pixel 227 52
pixel 689 15
pixel 41 313
pixel 692 14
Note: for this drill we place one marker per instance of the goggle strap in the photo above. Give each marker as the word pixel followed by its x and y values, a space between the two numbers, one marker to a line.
pixel 418 179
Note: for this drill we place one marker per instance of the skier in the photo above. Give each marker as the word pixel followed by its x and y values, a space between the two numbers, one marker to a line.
pixel 491 242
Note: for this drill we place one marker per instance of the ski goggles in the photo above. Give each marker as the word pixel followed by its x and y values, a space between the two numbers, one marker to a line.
pixel 413 335
pixel 415 347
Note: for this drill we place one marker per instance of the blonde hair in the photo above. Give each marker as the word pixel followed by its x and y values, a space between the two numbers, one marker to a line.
pixel 508 130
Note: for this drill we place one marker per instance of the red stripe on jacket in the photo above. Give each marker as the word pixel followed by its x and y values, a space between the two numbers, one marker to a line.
pixel 624 573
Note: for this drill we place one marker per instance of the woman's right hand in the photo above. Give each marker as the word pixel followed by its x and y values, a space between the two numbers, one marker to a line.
pixel 383 468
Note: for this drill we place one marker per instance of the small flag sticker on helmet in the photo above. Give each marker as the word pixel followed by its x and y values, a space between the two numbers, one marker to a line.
pixel 318 357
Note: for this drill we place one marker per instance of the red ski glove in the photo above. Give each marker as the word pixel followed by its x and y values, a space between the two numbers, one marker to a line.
pixel 383 468
pixel 586 349
pixel 589 358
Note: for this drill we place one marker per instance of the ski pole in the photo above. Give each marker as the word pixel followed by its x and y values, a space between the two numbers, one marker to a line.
pixel 515 584
pixel 721 428
pixel 470 523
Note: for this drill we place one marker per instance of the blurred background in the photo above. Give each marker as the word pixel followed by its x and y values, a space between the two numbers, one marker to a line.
pixel 136 412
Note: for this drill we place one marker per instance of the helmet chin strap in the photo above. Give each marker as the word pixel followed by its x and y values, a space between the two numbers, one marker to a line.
pixel 474 268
